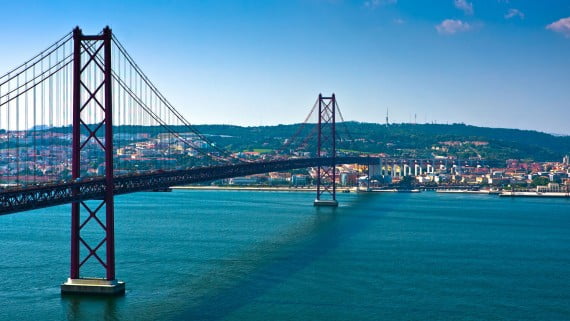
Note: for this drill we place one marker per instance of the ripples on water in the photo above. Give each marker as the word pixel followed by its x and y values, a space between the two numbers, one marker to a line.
pixel 221 255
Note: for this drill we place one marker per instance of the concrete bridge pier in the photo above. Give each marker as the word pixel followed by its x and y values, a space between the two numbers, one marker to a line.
pixel 93 286
pixel 329 203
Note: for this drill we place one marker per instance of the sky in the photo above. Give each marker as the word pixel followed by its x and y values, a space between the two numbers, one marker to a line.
pixel 496 63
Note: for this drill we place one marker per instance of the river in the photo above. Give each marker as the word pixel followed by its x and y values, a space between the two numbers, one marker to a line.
pixel 243 255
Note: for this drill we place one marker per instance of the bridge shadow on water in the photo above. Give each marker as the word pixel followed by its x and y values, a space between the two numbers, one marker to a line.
pixel 295 251
pixel 238 281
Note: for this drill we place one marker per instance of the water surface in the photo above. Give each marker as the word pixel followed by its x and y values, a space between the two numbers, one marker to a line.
pixel 231 255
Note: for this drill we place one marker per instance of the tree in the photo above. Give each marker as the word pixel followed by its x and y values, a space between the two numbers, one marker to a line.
pixel 539 181
pixel 407 182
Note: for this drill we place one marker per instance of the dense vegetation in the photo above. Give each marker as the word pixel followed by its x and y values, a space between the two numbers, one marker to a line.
pixel 408 140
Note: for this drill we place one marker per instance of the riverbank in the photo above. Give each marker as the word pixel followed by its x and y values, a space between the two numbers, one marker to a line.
pixel 356 190
pixel 260 188
pixel 535 194
pixel 461 191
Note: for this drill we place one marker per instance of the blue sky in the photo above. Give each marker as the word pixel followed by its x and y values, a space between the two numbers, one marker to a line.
pixel 498 63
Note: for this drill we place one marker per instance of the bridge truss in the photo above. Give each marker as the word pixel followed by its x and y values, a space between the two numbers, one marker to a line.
pixel 74 128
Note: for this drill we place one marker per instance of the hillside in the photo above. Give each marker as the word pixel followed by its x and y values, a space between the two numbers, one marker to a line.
pixel 407 140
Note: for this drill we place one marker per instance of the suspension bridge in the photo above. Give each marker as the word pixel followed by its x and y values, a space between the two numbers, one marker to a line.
pixel 80 123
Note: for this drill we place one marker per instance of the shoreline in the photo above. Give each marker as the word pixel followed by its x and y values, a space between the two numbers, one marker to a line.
pixel 536 194
pixel 259 189
pixel 356 190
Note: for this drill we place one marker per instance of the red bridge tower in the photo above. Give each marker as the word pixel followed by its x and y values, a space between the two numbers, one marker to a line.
pixel 326 147
pixel 92 129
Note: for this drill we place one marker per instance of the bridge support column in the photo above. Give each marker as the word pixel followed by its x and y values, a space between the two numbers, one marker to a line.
pixel 97 94
pixel 326 145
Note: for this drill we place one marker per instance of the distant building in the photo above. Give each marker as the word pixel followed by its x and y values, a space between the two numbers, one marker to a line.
pixel 348 179
pixel 551 187
pixel 513 164
pixel 243 180
pixel 556 177
pixel 299 180
pixel 279 178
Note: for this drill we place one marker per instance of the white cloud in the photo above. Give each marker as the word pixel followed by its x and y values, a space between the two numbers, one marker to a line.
pixel 399 21
pixel 561 26
pixel 514 13
pixel 451 26
pixel 373 4
pixel 466 7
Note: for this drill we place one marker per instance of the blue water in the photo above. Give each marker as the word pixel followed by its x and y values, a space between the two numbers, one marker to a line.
pixel 221 255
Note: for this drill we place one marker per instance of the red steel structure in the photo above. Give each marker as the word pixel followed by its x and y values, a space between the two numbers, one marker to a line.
pixel 57 194
pixel 42 83
pixel 92 92
pixel 326 147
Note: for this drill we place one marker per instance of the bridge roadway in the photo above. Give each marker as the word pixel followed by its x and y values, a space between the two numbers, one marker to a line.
pixel 24 199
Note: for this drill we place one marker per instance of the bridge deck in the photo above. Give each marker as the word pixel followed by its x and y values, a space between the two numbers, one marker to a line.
pixel 18 200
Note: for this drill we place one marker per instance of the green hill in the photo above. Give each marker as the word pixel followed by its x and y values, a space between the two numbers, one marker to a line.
pixel 406 140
